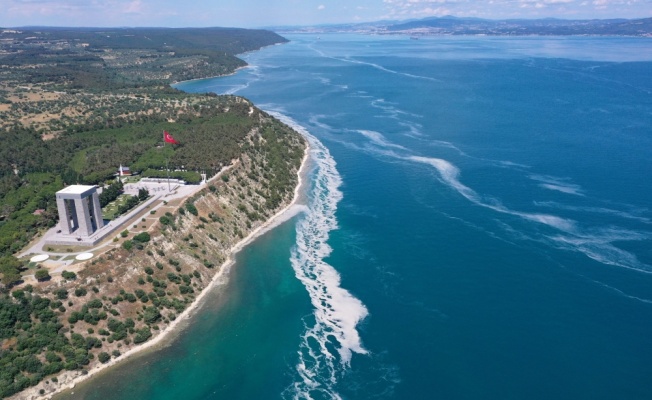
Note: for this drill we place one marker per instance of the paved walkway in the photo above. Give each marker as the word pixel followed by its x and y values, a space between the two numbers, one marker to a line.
pixel 119 224
pixel 135 217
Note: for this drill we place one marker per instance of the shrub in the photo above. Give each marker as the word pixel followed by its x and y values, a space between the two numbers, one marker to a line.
pixel 192 209
pixel 124 233
pixel 142 335
pixel 151 315
pixel 142 237
pixel 127 245
pixel 173 277
pixel 104 357
pixel 67 275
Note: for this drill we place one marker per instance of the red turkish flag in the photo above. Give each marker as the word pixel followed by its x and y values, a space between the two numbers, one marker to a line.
pixel 168 138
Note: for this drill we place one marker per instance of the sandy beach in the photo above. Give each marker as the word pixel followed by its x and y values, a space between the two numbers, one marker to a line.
pixel 68 380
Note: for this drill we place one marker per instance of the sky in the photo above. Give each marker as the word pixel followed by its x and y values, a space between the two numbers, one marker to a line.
pixel 269 13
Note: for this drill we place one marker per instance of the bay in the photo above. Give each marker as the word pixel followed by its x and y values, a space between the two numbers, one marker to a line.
pixel 477 226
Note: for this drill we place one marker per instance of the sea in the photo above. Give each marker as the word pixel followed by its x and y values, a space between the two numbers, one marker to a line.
pixel 476 223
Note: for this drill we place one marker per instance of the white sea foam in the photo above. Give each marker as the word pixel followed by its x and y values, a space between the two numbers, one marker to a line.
pixel 384 69
pixel 373 65
pixel 414 129
pixel 558 184
pixel 316 121
pixel 378 139
pixel 330 336
pixel 390 110
pixel 596 210
pixel 596 244
pixel 620 292
pixel 568 189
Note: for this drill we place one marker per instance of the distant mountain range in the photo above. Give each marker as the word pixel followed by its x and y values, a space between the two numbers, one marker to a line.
pixel 475 26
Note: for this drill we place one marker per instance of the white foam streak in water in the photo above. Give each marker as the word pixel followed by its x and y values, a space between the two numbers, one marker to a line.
pixel 379 139
pixel 597 210
pixel 568 189
pixel 373 65
pixel 330 338
pixel 557 184
pixel 597 245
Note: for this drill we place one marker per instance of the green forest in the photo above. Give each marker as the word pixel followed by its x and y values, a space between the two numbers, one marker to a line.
pixel 113 102
pixel 75 104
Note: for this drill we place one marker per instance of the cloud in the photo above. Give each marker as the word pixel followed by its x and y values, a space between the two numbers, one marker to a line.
pixel 77 12
pixel 321 7
pixel 497 9
pixel 134 7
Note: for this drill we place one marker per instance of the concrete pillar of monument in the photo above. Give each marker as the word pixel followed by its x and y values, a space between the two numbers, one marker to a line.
pixel 64 218
pixel 84 216
pixel 72 204
pixel 97 211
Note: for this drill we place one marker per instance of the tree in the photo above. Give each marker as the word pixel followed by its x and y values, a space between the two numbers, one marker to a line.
pixel 10 268
pixel 151 315
pixel 110 193
pixel 10 278
pixel 104 357
pixel 143 194
pixel 42 275
pixel 142 237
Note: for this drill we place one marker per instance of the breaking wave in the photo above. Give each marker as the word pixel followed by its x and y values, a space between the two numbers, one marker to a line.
pixel 330 337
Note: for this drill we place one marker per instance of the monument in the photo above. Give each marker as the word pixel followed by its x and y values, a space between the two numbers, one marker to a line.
pixel 79 208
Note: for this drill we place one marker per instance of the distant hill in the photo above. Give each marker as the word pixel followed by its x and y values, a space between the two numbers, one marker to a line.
pixel 450 25
pixel 228 40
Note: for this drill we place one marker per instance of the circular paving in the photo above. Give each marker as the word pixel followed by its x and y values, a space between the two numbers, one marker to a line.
pixel 84 256
pixel 39 258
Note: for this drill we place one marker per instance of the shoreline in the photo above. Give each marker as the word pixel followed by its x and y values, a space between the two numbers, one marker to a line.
pixel 176 325
pixel 210 77
pixel 231 73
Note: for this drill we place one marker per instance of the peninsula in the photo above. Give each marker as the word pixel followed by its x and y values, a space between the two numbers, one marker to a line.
pixel 76 107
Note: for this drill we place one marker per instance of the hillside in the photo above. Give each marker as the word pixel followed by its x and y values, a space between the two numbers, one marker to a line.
pixel 72 108
pixel 132 292
pixel 450 25
pixel 74 105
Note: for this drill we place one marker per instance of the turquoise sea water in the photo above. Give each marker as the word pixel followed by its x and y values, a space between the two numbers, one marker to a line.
pixel 478 226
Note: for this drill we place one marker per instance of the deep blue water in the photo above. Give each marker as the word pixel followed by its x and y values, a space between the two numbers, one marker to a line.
pixel 478 227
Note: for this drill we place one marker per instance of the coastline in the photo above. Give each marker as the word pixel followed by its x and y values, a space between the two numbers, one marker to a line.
pixel 230 73
pixel 210 77
pixel 176 325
